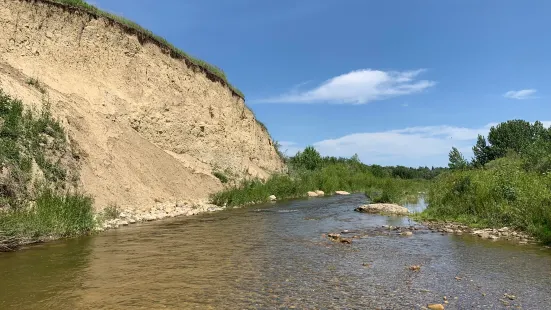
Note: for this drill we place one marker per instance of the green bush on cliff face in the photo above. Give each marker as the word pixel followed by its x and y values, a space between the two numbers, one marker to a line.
pixel 31 205
pixel 27 138
pixel 221 176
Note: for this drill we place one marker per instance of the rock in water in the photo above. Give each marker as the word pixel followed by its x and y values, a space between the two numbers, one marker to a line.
pixel 385 208
pixel 345 240
pixel 436 307
pixel 342 193
pixel 312 194
pixel 334 236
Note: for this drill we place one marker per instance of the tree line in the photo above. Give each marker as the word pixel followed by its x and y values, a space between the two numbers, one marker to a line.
pixel 310 159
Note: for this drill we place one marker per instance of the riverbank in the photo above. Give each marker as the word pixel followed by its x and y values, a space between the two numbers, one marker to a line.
pixel 129 216
pixel 502 194
pixel 494 234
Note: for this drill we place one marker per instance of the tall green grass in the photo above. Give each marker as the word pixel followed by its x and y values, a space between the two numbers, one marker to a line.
pixel 148 35
pixel 501 194
pixel 330 178
pixel 52 216
pixel 34 207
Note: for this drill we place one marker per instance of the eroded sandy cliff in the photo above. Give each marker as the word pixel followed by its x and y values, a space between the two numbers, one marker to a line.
pixel 150 128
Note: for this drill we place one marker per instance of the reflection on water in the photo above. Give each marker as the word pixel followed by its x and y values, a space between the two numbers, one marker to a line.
pixel 418 206
pixel 274 256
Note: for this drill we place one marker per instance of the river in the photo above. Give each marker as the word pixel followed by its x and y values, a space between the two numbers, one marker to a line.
pixel 275 256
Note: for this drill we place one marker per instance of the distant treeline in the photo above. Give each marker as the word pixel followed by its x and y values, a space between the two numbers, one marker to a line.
pixel 310 159
pixel 309 171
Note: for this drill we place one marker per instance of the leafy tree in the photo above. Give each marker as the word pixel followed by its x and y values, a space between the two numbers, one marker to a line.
pixel 457 161
pixel 481 152
pixel 513 135
pixel 309 159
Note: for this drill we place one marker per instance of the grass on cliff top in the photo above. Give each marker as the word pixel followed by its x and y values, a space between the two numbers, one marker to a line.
pixel 147 33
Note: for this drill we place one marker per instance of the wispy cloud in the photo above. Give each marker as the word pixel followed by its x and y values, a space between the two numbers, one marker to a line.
pixel 289 148
pixel 411 146
pixel 520 94
pixel 359 87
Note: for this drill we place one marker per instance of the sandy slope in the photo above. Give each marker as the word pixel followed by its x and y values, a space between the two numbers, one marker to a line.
pixel 150 129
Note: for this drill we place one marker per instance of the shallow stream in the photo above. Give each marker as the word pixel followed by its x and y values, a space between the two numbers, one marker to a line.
pixel 275 256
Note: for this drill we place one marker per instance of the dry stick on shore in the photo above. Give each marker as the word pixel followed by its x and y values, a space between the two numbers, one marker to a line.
pixel 12 243
pixel 9 244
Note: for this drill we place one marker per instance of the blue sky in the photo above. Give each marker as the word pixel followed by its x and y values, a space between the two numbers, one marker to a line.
pixel 398 82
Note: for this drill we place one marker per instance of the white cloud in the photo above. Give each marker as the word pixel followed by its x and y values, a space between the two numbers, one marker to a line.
pixel 289 148
pixel 359 87
pixel 520 94
pixel 411 146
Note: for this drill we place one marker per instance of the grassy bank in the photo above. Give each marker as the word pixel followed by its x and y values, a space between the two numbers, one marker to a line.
pixel 508 183
pixel 326 174
pixel 502 194
pixel 145 34
pixel 38 198
pixel 52 216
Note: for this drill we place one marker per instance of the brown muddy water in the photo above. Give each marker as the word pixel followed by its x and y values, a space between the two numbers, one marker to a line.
pixel 275 257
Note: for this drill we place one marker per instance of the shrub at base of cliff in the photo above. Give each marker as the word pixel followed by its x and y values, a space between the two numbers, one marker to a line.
pixel 501 194
pixel 52 216
pixel 38 178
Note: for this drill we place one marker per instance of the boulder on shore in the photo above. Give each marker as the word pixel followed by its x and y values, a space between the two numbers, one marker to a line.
pixel 385 208
pixel 320 193
pixel 342 193
pixel 272 198
pixel 312 194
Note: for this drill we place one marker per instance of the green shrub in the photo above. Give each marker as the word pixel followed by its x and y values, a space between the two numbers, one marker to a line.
pixel 330 178
pixel 503 194
pixel 36 83
pixel 110 212
pixel 43 208
pixel 222 177
pixel 53 215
